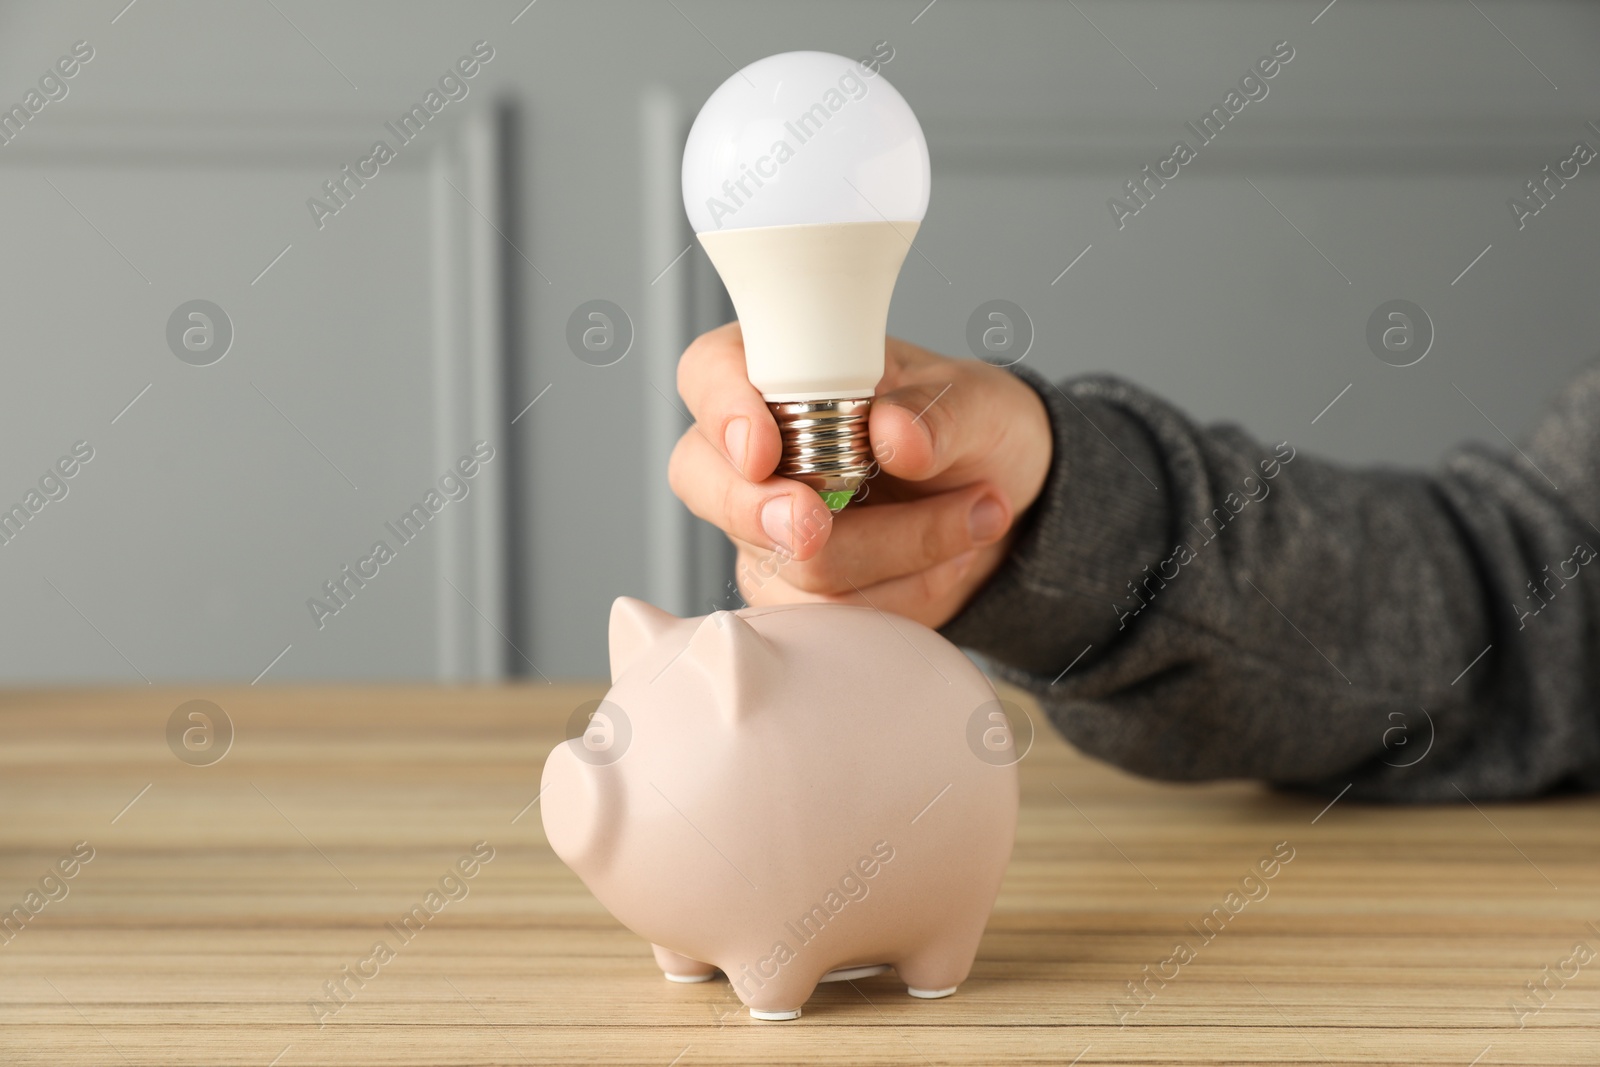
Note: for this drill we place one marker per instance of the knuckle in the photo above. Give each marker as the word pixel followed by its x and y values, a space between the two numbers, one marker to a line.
pixel 941 537
pixel 688 365
pixel 930 542
pixel 676 463
pixel 932 584
pixel 692 364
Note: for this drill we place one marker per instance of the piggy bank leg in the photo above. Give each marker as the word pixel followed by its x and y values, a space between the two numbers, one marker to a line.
pixel 776 999
pixel 936 970
pixel 681 968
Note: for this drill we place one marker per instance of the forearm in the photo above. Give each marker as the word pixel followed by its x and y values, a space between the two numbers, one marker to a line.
pixel 1245 610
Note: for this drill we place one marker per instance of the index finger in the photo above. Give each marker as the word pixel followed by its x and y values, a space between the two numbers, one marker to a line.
pixel 713 381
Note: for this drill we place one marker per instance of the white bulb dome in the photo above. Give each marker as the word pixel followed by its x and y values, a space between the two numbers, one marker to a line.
pixel 802 138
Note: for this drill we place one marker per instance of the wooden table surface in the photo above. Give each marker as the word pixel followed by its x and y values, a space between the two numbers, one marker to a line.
pixel 220 899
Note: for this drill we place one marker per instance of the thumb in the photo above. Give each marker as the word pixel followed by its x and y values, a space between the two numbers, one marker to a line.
pixel 919 431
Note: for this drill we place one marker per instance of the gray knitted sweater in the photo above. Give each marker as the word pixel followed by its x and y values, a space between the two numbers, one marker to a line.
pixel 1188 603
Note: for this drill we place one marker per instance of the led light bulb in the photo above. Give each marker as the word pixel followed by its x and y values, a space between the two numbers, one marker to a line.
pixel 805 177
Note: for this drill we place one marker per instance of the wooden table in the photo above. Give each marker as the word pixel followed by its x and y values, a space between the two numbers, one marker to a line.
pixel 221 898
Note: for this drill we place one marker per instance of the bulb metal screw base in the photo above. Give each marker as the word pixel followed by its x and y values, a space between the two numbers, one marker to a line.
pixel 825 445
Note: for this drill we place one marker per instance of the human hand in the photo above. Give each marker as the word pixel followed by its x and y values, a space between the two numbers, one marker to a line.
pixel 962 449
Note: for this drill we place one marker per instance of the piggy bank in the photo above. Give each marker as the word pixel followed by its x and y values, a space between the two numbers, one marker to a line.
pixel 790 795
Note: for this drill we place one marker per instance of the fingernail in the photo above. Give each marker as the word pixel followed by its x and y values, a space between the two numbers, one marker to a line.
pixel 777 521
pixel 736 439
pixel 987 521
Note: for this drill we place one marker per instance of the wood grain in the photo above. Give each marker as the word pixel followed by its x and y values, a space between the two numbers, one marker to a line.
pixel 219 903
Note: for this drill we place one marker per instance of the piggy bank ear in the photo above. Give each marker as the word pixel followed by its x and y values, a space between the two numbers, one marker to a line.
pixel 635 626
pixel 739 661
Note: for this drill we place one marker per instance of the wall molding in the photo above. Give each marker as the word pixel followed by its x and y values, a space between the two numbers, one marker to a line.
pixel 459 160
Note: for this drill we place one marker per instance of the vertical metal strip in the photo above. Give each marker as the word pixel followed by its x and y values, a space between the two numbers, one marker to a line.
pixel 449 566
pixel 660 336
pixel 486 652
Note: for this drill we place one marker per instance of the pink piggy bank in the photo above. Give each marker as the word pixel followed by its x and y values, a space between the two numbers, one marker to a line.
pixel 790 795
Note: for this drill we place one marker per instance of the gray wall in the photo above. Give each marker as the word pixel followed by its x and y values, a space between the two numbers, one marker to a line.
pixel 428 313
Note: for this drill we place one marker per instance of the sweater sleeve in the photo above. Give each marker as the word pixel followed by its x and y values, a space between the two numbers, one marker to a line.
pixel 1188 603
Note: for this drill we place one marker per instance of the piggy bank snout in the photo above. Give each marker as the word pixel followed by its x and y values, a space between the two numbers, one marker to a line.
pixel 579 803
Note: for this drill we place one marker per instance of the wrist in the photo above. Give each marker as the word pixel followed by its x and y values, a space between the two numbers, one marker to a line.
pixel 1100 515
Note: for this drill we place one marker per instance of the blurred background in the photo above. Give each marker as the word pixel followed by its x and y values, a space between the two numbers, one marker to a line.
pixel 265 388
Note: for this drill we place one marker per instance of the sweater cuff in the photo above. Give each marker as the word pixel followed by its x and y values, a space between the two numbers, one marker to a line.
pixel 1102 517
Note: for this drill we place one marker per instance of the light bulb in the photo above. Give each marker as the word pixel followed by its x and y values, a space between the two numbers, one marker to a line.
pixel 805 177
